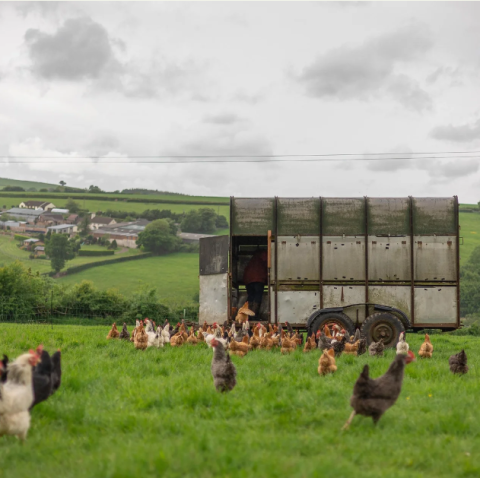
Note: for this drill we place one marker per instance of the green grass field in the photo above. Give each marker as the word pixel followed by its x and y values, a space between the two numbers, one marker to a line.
pixel 9 252
pixel 175 276
pixel 470 231
pixel 124 413
pixel 95 206
pixel 25 184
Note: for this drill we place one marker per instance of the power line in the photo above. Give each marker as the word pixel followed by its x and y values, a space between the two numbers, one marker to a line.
pixel 190 159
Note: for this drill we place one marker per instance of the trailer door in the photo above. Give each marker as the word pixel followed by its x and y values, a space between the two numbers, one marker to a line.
pixel 214 280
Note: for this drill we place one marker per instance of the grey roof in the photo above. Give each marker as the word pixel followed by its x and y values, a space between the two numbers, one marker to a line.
pixel 193 237
pixel 60 227
pixel 59 210
pixel 22 211
pixel 31 240
pixel 37 203
pixel 132 228
pixel 102 220
pixel 40 248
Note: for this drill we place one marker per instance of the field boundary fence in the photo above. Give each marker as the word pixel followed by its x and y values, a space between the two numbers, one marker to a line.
pixel 52 308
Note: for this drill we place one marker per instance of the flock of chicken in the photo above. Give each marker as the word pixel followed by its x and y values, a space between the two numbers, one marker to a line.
pixel 30 379
pixel 371 397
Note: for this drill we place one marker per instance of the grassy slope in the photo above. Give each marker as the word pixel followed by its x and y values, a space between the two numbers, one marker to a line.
pixel 95 206
pixel 122 413
pixel 175 276
pixel 470 231
pixel 25 184
pixel 9 253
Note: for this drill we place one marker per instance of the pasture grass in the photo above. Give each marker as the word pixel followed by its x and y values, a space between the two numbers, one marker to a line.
pixel 470 231
pixel 121 412
pixel 9 253
pixel 175 276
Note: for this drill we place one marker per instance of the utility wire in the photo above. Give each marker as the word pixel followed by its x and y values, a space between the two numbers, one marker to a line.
pixel 189 159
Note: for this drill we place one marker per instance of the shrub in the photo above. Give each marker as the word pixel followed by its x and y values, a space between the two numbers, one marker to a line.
pixel 85 253
pixel 19 237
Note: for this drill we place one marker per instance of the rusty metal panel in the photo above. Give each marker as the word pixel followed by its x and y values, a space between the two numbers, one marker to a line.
pixel 388 216
pixel 434 216
pixel 296 306
pixel 298 258
pixel 298 216
pixel 213 298
pixel 214 255
pixel 389 259
pixel 435 258
pixel 343 258
pixel 436 305
pixel 393 296
pixel 343 216
pixel 253 216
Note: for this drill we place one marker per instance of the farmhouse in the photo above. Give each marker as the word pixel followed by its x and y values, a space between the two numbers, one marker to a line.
pixel 63 229
pixel 44 206
pixel 51 219
pixel 40 251
pixel 73 219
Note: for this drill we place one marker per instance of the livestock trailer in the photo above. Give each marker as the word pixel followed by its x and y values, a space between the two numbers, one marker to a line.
pixel 382 264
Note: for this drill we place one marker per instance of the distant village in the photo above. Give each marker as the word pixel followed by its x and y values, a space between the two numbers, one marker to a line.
pixel 38 217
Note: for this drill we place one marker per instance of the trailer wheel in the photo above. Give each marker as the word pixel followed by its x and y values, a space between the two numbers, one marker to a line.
pixel 330 318
pixel 382 325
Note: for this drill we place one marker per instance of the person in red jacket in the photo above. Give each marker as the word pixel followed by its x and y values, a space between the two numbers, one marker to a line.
pixel 255 277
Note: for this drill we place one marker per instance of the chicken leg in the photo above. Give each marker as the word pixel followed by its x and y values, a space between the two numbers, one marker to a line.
pixel 347 424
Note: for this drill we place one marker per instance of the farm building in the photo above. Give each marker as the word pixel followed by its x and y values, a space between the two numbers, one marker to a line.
pixel 125 233
pixel 28 215
pixel 190 238
pixel 57 210
pixel 37 205
pixel 40 251
pixel 98 222
pixel 63 229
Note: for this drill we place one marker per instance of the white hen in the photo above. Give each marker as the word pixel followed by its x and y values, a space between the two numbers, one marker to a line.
pixel 402 346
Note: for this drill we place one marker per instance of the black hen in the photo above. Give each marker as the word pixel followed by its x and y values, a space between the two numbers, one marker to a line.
pixel 223 371
pixel 57 371
pixel 458 363
pixel 373 397
pixel 124 334
pixel 3 371
pixel 362 346
pixel 42 379
pixel 339 346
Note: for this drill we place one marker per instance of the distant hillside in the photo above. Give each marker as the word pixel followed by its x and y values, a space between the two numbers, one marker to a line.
pixel 25 184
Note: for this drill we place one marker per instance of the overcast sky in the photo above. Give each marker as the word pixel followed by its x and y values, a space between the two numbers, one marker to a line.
pixel 157 78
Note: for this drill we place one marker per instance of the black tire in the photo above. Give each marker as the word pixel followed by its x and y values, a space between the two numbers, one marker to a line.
pixel 382 325
pixel 338 318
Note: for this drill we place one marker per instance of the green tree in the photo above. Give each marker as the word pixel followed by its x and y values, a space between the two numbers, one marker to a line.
pixel 84 227
pixel 158 238
pixel 221 222
pixel 94 189
pixel 113 245
pixel 59 250
pixel 72 206
pixel 62 183
pixel 200 221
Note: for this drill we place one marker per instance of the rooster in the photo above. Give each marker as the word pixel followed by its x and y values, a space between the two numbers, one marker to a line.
pixel 426 348
pixel 244 313
pixel 458 363
pixel 373 397
pixel 223 370
pixel 16 395
pixel 326 363
pixel 124 334
pixel 114 333
pixel 42 377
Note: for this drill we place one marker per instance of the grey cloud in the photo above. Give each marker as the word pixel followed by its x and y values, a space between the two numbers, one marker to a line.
pixel 43 8
pixel 445 72
pixel 103 144
pixel 409 93
pixel 465 133
pixel 80 49
pixel 451 169
pixel 363 71
pixel 388 165
pixel 224 118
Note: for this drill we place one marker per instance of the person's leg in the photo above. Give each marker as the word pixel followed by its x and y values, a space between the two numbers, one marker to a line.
pixel 257 298
pixel 250 293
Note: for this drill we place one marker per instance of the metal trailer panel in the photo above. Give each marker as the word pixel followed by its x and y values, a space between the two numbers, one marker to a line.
pixel 434 216
pixel 343 216
pixel 397 296
pixel 389 259
pixel 213 298
pixel 436 305
pixel 253 216
pixel 343 258
pixel 298 258
pixel 388 216
pixel 343 295
pixel 295 306
pixel 435 258
pixel 298 216
pixel 214 255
